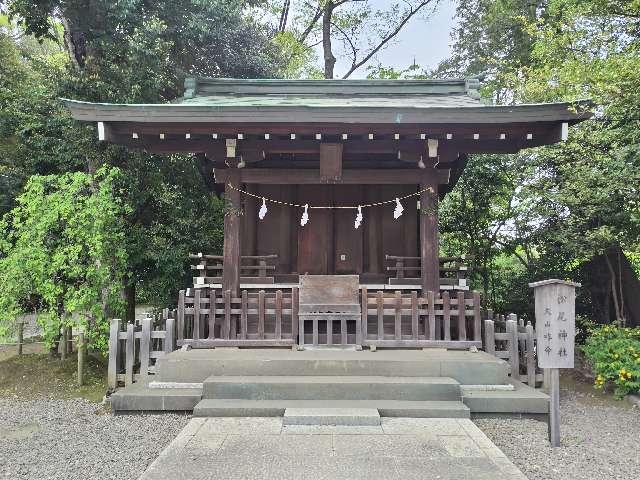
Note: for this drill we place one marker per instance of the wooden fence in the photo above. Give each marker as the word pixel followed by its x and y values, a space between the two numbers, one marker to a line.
pixel 510 339
pixel 134 348
pixel 388 319
pixel 395 319
pixel 212 318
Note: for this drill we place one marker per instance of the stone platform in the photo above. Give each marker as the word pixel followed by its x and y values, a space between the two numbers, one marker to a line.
pixel 266 382
pixel 265 448
pixel 468 368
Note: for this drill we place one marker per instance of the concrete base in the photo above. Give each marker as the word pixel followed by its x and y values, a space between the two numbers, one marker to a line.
pixel 331 387
pixel 398 383
pixel 139 397
pixel 522 399
pixel 468 368
pixel 331 416
pixel 276 408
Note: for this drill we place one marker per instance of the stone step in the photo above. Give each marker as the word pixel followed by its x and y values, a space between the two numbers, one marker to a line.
pixel 331 416
pixel 139 397
pixel 475 368
pixel 234 407
pixel 331 388
pixel 521 400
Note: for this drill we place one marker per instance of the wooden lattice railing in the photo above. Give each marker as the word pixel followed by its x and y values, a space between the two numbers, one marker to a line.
pixel 210 318
pixel 252 319
pixel 135 347
pixel 510 339
pixel 395 319
pixel 388 319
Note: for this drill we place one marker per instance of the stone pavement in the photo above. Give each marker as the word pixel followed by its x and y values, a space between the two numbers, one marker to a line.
pixel 264 448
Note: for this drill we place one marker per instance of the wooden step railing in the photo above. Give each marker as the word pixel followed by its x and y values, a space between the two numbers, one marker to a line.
pixel 510 339
pixel 453 271
pixel 135 347
pixel 253 268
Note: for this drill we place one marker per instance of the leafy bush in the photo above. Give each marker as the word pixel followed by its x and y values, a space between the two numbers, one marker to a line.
pixel 62 248
pixel 614 353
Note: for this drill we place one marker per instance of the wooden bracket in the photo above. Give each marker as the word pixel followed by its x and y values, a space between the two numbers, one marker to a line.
pixel 231 147
pixel 330 162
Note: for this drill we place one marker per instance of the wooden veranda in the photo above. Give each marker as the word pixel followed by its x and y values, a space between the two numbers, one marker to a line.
pixel 350 174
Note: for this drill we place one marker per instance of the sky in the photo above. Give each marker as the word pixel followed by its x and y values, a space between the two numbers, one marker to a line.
pixel 426 40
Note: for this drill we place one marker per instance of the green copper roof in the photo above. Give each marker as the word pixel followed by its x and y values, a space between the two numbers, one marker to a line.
pixel 327 101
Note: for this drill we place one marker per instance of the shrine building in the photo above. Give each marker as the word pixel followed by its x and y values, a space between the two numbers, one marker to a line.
pixel 330 271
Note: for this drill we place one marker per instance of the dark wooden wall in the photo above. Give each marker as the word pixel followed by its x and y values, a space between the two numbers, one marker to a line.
pixel 318 247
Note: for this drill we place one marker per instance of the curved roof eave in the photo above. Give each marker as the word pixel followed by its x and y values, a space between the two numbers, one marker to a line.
pixel 572 112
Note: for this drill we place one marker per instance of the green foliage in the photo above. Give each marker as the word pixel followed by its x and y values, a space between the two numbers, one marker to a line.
pixel 132 51
pixel 614 354
pixel 411 72
pixel 571 201
pixel 62 248
pixel 32 120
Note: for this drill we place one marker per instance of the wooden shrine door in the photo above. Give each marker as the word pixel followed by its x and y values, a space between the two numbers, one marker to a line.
pixel 315 239
pixel 348 248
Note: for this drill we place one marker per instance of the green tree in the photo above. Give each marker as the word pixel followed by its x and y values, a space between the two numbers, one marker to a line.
pixel 353 30
pixel 579 198
pixel 138 51
pixel 62 248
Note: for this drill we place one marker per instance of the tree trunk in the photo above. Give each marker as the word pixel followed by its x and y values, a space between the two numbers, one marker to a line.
pixel 614 289
pixel 130 300
pixel 329 58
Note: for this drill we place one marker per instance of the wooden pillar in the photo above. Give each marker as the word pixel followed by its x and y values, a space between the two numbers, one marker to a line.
pixel 232 225
pixel 429 245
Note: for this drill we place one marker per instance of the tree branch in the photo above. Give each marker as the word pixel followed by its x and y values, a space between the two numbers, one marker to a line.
pixel 386 39
pixel 314 21
pixel 348 39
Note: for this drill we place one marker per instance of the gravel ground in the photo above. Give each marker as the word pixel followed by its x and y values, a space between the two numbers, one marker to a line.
pixel 600 439
pixel 77 439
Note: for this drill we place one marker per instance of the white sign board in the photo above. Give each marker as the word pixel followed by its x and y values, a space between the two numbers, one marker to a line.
pixel 555 303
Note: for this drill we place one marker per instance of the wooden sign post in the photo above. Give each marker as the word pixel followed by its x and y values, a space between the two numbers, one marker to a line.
pixel 555 304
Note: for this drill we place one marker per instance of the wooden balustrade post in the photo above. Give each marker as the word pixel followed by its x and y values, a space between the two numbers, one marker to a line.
pixel 477 318
pixel 489 337
pixel 262 272
pixel 65 342
pixel 399 268
pixel 130 351
pixel 195 332
pixel 180 322
pixel 145 340
pixel 531 361
pixel 20 336
pixel 169 335
pixel 295 317
pixel 514 359
pixel 361 330
pixel 82 349
pixel 112 369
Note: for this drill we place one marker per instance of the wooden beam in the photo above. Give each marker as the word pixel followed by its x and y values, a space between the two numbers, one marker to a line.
pixel 286 176
pixel 232 225
pixel 429 245
pixel 435 130
pixel 330 162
